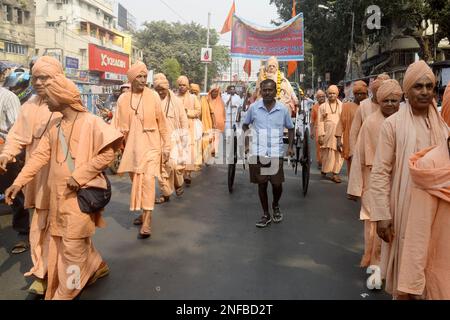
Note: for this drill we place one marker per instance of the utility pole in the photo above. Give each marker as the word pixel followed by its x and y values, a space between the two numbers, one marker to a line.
pixel 351 44
pixel 207 46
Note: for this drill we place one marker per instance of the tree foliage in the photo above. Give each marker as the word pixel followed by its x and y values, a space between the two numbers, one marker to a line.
pixel 163 43
pixel 329 31
pixel 172 69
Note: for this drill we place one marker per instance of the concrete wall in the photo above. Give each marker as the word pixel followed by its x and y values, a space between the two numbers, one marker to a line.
pixel 19 34
pixel 59 27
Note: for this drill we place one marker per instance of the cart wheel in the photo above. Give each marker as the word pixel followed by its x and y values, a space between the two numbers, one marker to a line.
pixel 232 167
pixel 297 154
pixel 231 175
pixel 306 163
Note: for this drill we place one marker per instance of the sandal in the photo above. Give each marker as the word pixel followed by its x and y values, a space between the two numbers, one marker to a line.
pixel 38 287
pixel 20 247
pixel 162 199
pixel 102 271
pixel 138 221
pixel 336 179
pixel 179 192
pixel 146 230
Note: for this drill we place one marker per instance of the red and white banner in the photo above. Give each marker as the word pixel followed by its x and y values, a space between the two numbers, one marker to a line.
pixel 104 60
pixel 285 42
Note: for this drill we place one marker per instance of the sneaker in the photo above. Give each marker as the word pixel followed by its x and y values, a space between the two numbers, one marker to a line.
pixel 277 215
pixel 102 271
pixel 264 222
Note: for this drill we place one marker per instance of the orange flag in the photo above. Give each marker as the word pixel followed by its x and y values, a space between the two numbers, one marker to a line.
pixel 227 25
pixel 248 67
pixel 292 65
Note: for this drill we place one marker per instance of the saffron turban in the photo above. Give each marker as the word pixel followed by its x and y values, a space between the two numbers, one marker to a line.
pixel 319 92
pixel 195 87
pixel 360 87
pixel 183 80
pixel 416 71
pixel 135 70
pixel 48 66
pixel 159 76
pixel 333 89
pixel 387 88
pixel 65 92
pixel 377 83
pixel 161 83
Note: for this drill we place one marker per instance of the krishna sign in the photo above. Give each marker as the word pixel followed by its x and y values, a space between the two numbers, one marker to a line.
pixel 252 42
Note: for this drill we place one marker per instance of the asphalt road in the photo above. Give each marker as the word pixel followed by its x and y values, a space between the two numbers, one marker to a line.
pixel 205 245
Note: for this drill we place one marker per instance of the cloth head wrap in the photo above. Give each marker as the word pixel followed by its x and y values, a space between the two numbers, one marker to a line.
pixel 333 89
pixel 387 88
pixel 360 87
pixel 183 80
pixel 47 66
pixel 135 70
pixel 64 91
pixel 416 71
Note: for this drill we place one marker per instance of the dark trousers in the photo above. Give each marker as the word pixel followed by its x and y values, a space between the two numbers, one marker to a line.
pixel 21 216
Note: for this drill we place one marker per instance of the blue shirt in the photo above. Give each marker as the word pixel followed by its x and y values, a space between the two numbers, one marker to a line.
pixel 267 128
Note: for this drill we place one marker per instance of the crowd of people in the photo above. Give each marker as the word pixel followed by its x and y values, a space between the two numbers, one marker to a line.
pixel 397 148
pixel 53 154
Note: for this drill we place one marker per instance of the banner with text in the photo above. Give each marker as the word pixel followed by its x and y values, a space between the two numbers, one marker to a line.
pixel 252 42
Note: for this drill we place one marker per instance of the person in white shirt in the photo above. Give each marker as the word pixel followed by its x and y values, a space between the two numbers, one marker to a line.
pixel 233 104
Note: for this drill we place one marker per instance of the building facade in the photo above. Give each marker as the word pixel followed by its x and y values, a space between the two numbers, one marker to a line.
pixel 82 34
pixel 17 31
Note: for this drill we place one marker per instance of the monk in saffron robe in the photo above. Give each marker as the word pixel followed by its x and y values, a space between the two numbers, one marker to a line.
pixel 445 112
pixel 329 115
pixel 218 108
pixel 209 125
pixel 366 108
pixel 77 149
pixel 360 91
pixel 147 141
pixel 285 92
pixel 416 126
pixel 193 110
pixel 388 96
pixel 33 122
pixel 426 253
pixel 171 178
pixel 321 97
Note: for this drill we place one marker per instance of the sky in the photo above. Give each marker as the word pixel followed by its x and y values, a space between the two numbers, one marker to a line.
pixel 257 11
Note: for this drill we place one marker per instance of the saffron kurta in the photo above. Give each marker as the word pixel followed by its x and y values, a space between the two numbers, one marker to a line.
pixel 92 146
pixel 315 122
pixel 147 136
pixel 366 108
pixel 359 184
pixel 345 123
pixel 193 111
pixel 401 136
pixel 426 253
pixel 177 123
pixel 328 119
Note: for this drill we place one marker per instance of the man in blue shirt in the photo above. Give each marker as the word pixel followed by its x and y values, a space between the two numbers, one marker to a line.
pixel 268 119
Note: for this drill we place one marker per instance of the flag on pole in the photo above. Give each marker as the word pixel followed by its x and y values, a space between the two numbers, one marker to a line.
pixel 229 21
pixel 248 67
pixel 292 65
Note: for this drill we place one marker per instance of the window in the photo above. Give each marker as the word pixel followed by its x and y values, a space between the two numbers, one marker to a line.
pixel 9 13
pixel 15 48
pixel 26 15
pixel 19 16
